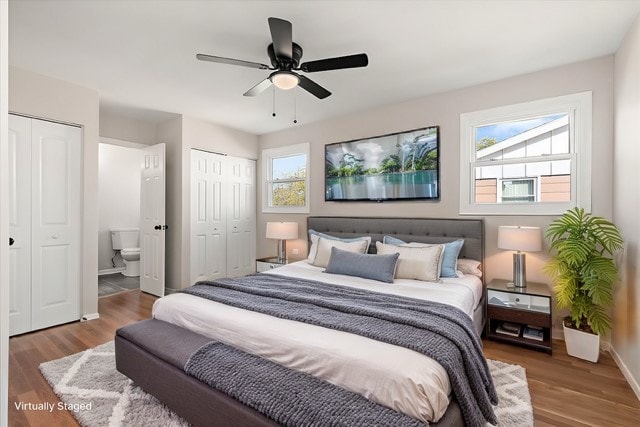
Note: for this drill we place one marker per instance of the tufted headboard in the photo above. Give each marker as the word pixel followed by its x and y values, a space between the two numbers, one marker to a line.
pixel 423 230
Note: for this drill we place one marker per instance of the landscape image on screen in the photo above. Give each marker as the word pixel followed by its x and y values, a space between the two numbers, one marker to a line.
pixel 399 166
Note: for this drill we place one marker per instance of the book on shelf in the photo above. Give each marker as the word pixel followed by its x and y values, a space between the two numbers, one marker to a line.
pixel 533 333
pixel 511 329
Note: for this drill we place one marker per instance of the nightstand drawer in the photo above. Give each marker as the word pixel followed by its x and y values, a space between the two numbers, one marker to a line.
pixel 518 316
pixel 519 301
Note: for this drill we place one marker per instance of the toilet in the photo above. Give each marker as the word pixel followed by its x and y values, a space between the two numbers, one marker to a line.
pixel 126 240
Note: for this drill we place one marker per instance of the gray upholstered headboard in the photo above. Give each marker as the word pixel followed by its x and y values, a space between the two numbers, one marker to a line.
pixel 423 230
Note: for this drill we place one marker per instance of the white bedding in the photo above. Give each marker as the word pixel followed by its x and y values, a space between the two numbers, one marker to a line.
pixel 393 376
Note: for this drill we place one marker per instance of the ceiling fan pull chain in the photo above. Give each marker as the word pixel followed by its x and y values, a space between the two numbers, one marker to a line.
pixel 274 101
pixel 295 105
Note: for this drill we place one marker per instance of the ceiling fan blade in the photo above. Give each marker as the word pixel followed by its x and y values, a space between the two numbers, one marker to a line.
pixel 231 61
pixel 281 36
pixel 259 88
pixel 338 63
pixel 313 88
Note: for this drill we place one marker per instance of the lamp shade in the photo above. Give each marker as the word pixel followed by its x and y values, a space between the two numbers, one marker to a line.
pixel 282 230
pixel 516 238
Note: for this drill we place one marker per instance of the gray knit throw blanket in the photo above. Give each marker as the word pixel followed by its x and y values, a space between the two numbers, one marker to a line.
pixel 289 397
pixel 444 333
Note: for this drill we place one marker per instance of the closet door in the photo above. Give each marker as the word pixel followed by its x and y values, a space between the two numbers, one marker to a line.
pixel 241 219
pixel 56 219
pixel 208 216
pixel 19 224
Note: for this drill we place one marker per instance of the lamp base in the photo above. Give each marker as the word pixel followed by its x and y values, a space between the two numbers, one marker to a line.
pixel 519 270
pixel 282 251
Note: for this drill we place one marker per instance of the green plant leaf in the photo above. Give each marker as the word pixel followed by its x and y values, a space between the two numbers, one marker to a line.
pixel 581 268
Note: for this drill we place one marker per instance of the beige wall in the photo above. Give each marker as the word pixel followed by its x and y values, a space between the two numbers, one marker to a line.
pixel 626 205
pixel 44 97
pixel 127 129
pixel 444 110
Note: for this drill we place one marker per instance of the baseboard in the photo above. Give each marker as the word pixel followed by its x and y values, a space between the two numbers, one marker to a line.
pixel 625 371
pixel 90 316
pixel 110 271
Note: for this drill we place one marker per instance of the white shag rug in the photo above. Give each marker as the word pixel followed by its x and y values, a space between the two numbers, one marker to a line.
pixel 97 395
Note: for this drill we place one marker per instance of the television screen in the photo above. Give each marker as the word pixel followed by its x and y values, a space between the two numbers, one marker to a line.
pixel 399 166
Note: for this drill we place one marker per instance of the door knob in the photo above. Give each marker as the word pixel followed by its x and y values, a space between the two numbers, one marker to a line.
pixel 157 227
pixel 11 241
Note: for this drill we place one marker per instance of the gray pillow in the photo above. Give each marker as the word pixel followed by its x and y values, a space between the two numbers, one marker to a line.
pixel 375 267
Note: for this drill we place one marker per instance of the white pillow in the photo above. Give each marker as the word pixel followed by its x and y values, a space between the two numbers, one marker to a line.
pixel 415 262
pixel 324 249
pixel 469 266
pixel 314 236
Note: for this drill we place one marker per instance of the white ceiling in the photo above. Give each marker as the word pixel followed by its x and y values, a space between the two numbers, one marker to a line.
pixel 140 55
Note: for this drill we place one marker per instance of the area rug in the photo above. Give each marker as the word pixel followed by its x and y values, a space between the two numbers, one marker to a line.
pixel 98 395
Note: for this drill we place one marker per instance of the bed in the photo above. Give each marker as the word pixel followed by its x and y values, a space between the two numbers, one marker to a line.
pixel 188 321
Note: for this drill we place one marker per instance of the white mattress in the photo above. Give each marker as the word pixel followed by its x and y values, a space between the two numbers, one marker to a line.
pixel 393 376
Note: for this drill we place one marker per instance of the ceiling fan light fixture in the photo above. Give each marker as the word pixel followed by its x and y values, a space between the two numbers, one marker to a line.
pixel 285 80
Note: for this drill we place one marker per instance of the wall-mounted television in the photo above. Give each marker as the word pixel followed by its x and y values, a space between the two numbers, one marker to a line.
pixel 398 166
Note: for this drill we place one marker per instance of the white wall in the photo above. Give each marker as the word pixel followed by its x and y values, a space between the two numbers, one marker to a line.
pixel 118 196
pixel 127 129
pixel 626 205
pixel 444 110
pixel 45 97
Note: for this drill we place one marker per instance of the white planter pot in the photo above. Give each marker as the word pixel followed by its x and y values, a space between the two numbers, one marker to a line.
pixel 582 344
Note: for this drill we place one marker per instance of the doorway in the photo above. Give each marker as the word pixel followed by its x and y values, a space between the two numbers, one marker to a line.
pixel 119 207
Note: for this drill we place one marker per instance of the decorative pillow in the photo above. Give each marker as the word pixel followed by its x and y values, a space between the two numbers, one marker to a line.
pixel 449 257
pixel 325 245
pixel 470 266
pixel 421 263
pixel 314 236
pixel 376 267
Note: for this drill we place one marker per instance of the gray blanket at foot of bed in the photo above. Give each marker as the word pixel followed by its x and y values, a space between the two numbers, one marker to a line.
pixel 289 397
pixel 439 331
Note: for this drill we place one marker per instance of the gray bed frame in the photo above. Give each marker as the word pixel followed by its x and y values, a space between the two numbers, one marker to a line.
pixel 152 353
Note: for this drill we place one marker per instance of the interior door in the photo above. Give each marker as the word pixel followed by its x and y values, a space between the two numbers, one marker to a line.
pixel 19 224
pixel 208 216
pixel 152 220
pixel 241 219
pixel 55 223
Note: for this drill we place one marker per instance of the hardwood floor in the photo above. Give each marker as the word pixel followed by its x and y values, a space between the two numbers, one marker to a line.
pixel 565 391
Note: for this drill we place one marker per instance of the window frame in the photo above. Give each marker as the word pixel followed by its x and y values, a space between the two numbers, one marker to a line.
pixel 268 155
pixel 578 107
pixel 500 188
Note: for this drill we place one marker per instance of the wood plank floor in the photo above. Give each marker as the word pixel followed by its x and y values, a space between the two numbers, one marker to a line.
pixel 565 391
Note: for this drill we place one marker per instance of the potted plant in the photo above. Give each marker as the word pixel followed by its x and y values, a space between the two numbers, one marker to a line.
pixel 584 274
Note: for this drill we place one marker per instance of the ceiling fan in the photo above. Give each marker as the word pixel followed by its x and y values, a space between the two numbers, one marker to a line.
pixel 285 60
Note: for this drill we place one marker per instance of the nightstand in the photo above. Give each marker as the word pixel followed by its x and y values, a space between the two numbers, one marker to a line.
pixel 264 264
pixel 520 316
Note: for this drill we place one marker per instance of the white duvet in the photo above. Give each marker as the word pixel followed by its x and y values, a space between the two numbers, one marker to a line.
pixel 392 376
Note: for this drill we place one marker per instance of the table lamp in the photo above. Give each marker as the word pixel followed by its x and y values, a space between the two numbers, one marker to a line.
pixel 282 231
pixel 517 238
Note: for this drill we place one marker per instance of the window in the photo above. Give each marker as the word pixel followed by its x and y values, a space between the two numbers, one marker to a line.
pixel 286 179
pixel 531 158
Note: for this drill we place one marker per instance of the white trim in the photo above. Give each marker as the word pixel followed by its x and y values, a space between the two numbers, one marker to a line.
pixel 625 372
pixel 579 109
pixel 110 271
pixel 267 155
pixel 121 142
